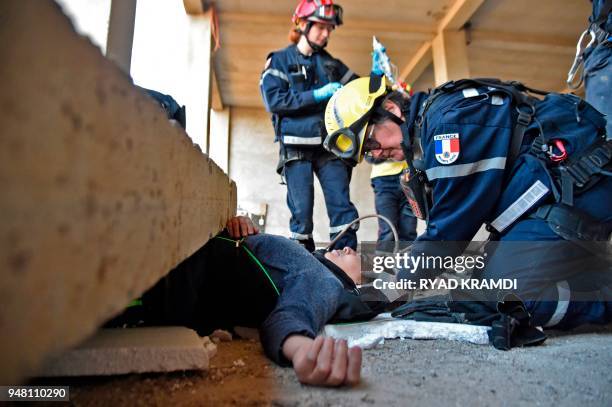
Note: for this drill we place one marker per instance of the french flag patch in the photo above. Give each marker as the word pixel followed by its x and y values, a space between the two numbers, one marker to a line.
pixel 447 148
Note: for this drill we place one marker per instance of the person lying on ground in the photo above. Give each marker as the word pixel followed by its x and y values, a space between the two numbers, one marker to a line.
pixel 244 278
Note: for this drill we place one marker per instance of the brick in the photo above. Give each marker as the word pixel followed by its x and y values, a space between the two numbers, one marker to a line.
pixel 100 195
pixel 131 350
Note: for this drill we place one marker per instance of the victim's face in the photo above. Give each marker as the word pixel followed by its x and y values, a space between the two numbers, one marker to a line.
pixel 348 260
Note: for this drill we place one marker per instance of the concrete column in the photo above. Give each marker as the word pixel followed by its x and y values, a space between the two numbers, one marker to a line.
pixel 121 33
pixel 450 56
pixel 200 74
pixel 220 137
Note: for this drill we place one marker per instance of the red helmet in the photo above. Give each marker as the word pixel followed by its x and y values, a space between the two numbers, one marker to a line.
pixel 321 11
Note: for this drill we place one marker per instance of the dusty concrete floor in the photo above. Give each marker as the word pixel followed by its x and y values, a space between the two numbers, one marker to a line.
pixel 568 370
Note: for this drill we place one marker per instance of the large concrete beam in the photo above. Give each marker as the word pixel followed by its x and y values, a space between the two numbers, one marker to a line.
pixel 100 195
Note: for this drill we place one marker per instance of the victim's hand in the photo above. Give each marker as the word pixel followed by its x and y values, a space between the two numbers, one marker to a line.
pixel 323 361
pixel 241 226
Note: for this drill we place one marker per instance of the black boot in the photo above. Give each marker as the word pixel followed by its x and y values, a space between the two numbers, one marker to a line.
pixel 308 244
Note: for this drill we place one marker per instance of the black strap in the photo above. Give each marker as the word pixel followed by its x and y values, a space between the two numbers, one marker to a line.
pixel 525 115
pixel 573 224
pixel 375 82
pixel 583 171
pixel 567 187
pixel 584 167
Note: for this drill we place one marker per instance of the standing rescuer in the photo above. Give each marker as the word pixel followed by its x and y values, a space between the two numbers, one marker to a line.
pixel 296 83
pixel 534 170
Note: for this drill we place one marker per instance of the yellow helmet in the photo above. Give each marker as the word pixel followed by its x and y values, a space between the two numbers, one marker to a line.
pixel 347 115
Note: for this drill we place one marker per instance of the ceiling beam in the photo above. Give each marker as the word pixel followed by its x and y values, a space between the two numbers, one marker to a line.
pixel 457 16
pixel 521 42
pixel 354 27
pixel 460 13
pixel 417 64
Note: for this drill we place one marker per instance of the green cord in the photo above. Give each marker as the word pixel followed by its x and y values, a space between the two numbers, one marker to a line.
pixel 135 303
pixel 138 301
pixel 225 238
pixel 255 259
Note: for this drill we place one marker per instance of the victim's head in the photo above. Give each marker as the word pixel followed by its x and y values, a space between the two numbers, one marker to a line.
pixel 348 260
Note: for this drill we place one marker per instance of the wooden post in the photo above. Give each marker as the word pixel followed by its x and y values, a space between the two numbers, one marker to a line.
pixel 448 46
pixel 450 56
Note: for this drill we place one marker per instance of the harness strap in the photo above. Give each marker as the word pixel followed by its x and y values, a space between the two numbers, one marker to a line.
pixel 573 224
pixel 584 171
pixel 590 164
pixel 522 121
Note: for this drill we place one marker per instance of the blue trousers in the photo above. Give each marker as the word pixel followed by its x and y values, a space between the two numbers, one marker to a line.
pixel 390 202
pixel 598 81
pixel 334 177
pixel 562 284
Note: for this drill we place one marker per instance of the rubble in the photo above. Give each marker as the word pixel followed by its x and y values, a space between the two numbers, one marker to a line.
pixel 211 348
pixel 221 335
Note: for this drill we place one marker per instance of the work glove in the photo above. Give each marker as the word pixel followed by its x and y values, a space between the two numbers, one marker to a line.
pixel 377 68
pixel 456 308
pixel 325 92
pixel 433 309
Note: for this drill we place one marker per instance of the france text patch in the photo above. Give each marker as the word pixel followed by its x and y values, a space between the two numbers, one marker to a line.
pixel 447 147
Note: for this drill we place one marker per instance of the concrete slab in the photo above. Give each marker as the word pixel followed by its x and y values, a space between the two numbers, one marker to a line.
pixel 100 195
pixel 132 350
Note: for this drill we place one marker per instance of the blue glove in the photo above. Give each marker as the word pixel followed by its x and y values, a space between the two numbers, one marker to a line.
pixel 325 92
pixel 377 63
